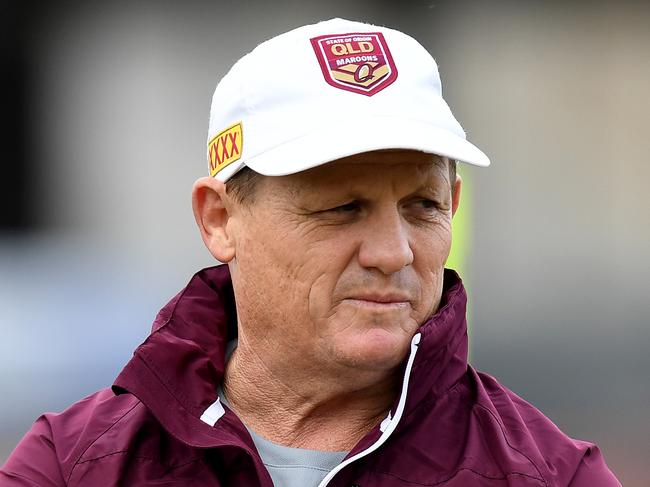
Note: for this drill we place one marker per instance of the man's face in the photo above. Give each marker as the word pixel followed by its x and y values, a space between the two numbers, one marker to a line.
pixel 338 266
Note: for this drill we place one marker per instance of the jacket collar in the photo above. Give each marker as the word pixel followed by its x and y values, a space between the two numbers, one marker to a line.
pixel 176 370
pixel 442 353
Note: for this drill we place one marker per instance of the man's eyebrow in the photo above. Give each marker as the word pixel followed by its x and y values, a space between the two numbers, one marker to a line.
pixel 432 189
pixel 429 187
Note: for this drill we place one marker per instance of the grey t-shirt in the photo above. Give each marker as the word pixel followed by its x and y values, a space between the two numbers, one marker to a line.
pixel 292 467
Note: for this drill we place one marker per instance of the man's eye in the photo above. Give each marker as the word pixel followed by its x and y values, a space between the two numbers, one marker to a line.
pixel 346 208
pixel 352 206
pixel 427 208
pixel 427 204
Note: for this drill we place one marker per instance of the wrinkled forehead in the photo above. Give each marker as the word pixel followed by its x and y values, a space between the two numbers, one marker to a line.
pixel 381 169
pixel 393 162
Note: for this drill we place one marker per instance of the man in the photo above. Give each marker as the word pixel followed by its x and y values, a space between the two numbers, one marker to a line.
pixel 331 348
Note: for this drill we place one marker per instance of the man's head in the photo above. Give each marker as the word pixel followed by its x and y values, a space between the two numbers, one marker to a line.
pixel 338 228
pixel 341 262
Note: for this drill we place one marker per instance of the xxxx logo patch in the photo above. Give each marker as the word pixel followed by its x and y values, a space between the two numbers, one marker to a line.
pixel 225 148
pixel 360 62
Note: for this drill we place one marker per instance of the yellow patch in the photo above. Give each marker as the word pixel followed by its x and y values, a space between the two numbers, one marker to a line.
pixel 225 148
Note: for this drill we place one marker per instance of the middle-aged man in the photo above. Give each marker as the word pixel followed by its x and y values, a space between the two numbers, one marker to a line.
pixel 331 349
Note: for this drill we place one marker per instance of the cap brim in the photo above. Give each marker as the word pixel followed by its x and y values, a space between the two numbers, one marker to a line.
pixel 339 140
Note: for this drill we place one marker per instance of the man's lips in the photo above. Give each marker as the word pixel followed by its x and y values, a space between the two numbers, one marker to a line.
pixel 379 301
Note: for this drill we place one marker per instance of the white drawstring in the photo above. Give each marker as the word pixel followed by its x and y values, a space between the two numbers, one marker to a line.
pixel 389 424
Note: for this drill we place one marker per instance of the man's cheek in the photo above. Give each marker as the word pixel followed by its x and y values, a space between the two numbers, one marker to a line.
pixel 319 297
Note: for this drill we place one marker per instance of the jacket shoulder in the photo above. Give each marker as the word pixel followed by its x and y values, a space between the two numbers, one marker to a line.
pixel 56 442
pixel 103 426
pixel 560 460
pixel 104 439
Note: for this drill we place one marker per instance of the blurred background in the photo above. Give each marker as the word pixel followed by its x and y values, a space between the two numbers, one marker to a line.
pixel 104 118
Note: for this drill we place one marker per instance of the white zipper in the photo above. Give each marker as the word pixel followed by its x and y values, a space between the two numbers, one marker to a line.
pixel 389 424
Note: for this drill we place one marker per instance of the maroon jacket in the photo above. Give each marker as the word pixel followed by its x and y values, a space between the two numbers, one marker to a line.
pixel 451 426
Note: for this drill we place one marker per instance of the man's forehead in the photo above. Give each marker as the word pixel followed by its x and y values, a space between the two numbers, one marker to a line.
pixel 394 167
pixel 413 168
pixel 398 162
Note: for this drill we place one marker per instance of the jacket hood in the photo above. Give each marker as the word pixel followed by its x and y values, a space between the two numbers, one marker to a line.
pixel 176 370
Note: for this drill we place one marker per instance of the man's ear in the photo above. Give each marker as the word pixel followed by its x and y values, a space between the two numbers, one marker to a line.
pixel 455 194
pixel 212 211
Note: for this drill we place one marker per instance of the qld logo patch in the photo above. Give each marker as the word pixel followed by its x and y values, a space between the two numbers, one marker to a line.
pixel 225 148
pixel 360 62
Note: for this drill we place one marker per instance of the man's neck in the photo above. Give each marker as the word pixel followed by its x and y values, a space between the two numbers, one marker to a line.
pixel 302 408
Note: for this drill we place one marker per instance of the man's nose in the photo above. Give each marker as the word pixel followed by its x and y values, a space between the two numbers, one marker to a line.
pixel 385 242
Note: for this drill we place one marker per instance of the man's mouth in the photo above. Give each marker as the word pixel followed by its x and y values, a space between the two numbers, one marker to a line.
pixel 379 301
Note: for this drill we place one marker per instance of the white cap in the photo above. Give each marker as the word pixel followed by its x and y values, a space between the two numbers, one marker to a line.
pixel 326 91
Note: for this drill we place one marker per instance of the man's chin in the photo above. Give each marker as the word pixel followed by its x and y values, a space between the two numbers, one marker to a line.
pixel 375 349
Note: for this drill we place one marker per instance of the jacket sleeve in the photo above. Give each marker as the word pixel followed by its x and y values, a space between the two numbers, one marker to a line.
pixel 34 462
pixel 593 471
